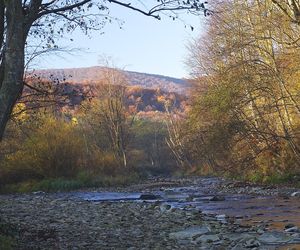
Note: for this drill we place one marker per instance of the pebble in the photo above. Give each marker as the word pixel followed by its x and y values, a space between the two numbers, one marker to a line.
pixel 165 207
pixel 289 225
pixel 296 194
pixel 217 198
pixel 252 243
pixel 221 217
pixel 292 230
pixel 56 222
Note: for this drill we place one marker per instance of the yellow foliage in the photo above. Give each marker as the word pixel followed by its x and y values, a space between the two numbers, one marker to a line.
pixel 55 149
pixel 74 121
pixel 161 99
pixel 19 112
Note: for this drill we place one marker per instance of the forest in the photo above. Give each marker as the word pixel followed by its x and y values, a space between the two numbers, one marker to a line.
pixel 65 136
pixel 246 118
pixel 240 120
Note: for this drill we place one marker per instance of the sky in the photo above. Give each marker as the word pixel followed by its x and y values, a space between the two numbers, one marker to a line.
pixel 144 44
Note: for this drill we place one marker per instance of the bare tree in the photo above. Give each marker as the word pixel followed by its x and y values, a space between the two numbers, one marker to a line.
pixel 249 60
pixel 175 139
pixel 290 8
pixel 108 115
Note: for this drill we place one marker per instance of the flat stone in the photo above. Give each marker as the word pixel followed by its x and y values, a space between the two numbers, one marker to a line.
pixel 260 231
pixel 207 238
pixel 295 239
pixel 221 216
pixel 292 230
pixel 296 235
pixel 289 225
pixel 252 243
pixel 274 238
pixel 190 233
pixel 296 194
pixel 237 236
pixel 217 198
pixel 239 216
pixel 189 199
pixel 165 207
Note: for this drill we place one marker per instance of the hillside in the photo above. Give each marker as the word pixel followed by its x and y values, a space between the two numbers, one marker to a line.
pixel 93 74
pixel 70 94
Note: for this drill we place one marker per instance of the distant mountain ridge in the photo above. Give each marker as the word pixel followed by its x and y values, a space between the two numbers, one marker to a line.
pixel 91 75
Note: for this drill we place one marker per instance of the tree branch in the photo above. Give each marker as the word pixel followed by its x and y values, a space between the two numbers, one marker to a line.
pixel 164 6
pixel 62 9
pixel 128 5
pixel 284 10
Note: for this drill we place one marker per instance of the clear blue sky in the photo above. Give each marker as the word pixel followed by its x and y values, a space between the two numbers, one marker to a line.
pixel 144 44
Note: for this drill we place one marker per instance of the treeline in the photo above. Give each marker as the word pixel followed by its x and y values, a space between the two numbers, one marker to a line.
pixel 245 116
pixel 243 119
pixel 103 141
pixel 71 95
pixel 92 75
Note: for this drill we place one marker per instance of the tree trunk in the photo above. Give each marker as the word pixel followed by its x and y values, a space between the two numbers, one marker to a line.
pixel 13 61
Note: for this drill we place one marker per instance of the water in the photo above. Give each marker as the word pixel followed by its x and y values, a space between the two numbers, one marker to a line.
pixel 275 212
pixel 107 196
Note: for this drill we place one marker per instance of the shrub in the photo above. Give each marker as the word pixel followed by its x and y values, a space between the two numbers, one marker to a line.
pixel 102 163
pixel 54 150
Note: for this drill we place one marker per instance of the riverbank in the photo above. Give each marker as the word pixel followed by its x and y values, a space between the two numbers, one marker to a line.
pixel 71 221
pixel 216 185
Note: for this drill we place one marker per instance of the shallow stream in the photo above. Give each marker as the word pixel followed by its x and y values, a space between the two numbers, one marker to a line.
pixel 275 212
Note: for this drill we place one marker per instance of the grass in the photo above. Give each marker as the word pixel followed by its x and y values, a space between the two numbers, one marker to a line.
pixel 283 179
pixel 60 184
pixel 291 179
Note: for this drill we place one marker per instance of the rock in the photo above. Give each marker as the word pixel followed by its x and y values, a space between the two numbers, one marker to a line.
pixel 252 243
pixel 260 231
pixel 219 242
pixel 165 207
pixel 296 238
pixel 38 193
pixel 292 230
pixel 239 216
pixel 149 196
pixel 274 238
pixel 289 225
pixel 238 236
pixel 175 196
pixel 217 198
pixel 190 199
pixel 170 191
pixel 190 233
pixel 46 220
pixel 207 238
pixel 221 217
pixel 296 194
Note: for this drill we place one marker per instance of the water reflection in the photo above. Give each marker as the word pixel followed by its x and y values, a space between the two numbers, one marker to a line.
pixel 275 213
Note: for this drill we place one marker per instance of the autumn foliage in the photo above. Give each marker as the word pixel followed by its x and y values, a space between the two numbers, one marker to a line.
pixel 245 119
pixel 103 139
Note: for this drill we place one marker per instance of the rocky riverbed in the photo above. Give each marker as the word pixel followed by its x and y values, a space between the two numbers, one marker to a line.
pixel 159 214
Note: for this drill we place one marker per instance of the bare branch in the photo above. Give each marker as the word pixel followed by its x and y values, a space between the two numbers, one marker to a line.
pixel 62 9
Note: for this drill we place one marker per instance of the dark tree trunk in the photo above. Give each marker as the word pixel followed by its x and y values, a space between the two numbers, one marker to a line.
pixel 12 63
